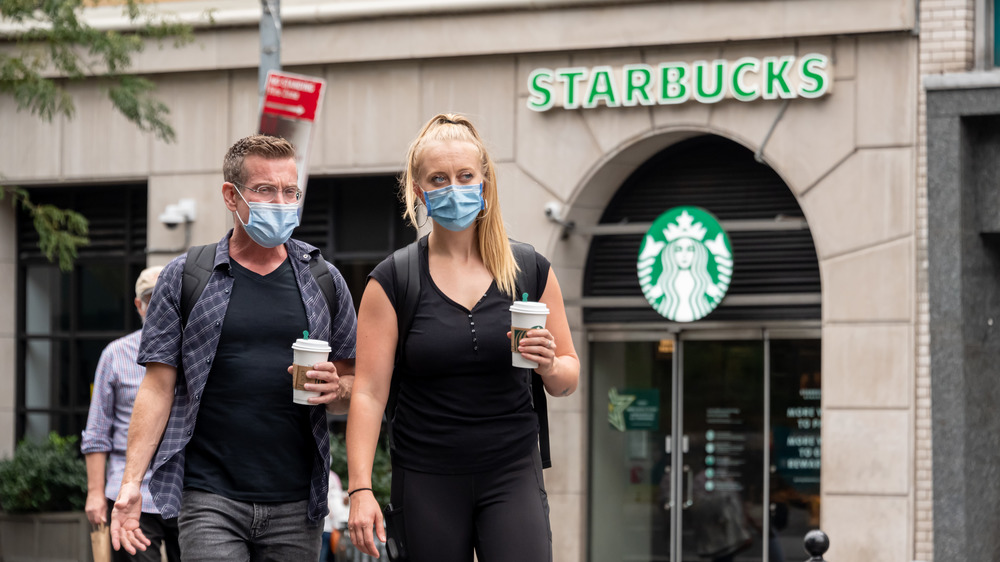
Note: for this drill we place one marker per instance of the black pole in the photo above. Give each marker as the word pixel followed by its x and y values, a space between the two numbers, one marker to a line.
pixel 816 543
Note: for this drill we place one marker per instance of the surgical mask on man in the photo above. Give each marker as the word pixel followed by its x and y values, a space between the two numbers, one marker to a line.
pixel 455 207
pixel 270 224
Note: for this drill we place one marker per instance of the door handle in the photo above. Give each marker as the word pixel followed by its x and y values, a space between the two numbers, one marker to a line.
pixel 667 505
pixel 667 446
pixel 689 494
pixel 684 444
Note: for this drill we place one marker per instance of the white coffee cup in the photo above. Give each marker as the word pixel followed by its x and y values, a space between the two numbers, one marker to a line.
pixel 524 316
pixel 306 354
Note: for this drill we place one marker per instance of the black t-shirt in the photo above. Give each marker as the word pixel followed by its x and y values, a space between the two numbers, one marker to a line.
pixel 251 442
pixel 461 407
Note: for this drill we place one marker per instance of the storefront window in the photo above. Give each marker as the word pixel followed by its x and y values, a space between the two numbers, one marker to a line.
pixel 356 222
pixel 66 319
pixel 703 448
pixel 993 35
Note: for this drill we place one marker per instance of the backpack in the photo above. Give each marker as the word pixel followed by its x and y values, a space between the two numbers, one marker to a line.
pixel 199 266
pixel 406 266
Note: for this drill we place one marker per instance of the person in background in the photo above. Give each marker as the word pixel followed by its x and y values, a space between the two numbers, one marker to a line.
pixel 115 385
pixel 244 468
pixel 466 469
pixel 335 520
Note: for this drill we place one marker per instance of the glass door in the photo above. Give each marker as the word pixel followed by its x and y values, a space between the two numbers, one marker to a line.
pixel 705 446
pixel 631 461
pixel 722 425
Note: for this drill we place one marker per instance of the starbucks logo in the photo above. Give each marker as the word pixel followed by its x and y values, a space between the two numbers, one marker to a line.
pixel 685 264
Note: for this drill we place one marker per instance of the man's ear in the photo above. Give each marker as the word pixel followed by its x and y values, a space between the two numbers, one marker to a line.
pixel 229 195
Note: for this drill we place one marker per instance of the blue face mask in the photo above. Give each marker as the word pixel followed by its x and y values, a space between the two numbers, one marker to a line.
pixel 455 207
pixel 270 224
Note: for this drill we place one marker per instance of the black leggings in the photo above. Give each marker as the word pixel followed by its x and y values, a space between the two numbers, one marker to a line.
pixel 503 514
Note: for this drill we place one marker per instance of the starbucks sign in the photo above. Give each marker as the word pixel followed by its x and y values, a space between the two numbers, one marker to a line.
pixel 685 264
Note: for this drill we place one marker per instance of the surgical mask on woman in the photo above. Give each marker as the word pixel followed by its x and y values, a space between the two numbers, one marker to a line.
pixel 270 224
pixel 455 207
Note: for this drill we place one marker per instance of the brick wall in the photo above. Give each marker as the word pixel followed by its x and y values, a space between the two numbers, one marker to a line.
pixel 947 33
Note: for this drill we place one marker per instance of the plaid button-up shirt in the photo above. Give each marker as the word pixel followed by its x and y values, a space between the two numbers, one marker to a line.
pixel 192 348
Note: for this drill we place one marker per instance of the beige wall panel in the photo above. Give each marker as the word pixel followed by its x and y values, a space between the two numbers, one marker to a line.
pixel 8 396
pixel 570 280
pixel 7 393
pixel 211 220
pixel 8 327
pixel 522 202
pixel 567 517
pixel 556 148
pixel 874 285
pixel 845 61
pixel 866 200
pixel 398 35
pixel 8 235
pixel 220 49
pixel 572 250
pixel 201 120
pixel 866 451
pixel 8 298
pixel 244 106
pixel 34 152
pixel 373 112
pixel 887 90
pixel 567 436
pixel 611 127
pixel 812 137
pixel 6 434
pixel 867 366
pixel 99 142
pixel 483 89
pixel 866 528
pixel 745 123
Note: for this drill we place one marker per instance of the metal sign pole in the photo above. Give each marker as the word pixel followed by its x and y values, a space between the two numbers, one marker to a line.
pixel 270 42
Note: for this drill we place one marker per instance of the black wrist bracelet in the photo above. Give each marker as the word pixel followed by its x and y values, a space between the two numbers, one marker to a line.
pixel 351 493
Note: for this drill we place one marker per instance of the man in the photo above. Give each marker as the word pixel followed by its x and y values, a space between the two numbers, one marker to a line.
pixel 244 467
pixel 115 385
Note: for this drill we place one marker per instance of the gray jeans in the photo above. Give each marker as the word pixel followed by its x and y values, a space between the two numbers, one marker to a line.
pixel 214 528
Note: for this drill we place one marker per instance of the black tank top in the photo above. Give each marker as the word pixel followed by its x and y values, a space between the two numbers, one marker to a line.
pixel 462 408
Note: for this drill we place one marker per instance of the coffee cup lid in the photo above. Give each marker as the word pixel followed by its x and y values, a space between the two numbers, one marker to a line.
pixel 311 345
pixel 529 307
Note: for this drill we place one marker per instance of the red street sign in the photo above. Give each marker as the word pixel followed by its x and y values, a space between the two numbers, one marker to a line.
pixel 292 95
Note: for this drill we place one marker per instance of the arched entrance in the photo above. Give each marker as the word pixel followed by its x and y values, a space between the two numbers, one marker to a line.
pixel 710 448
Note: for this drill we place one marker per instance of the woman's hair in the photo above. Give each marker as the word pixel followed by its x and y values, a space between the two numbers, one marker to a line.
pixel 494 247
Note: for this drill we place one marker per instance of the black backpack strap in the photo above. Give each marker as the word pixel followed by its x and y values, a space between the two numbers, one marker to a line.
pixel 527 282
pixel 406 270
pixel 197 270
pixel 320 272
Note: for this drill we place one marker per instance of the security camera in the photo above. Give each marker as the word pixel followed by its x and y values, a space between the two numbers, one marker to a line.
pixel 178 213
pixel 171 217
pixel 553 210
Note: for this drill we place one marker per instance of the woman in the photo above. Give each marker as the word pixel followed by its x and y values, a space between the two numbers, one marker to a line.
pixel 466 472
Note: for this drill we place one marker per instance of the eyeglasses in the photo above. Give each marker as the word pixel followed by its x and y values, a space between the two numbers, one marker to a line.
pixel 268 193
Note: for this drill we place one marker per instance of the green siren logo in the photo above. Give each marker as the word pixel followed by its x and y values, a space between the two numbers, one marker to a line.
pixel 685 264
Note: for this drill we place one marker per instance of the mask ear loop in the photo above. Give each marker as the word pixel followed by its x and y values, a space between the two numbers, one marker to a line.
pixel 236 213
pixel 427 217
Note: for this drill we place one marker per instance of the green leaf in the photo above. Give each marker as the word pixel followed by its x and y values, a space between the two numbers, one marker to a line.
pixel 48 476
